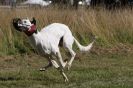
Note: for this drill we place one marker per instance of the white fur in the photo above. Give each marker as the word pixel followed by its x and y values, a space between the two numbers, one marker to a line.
pixel 47 44
pixel 47 40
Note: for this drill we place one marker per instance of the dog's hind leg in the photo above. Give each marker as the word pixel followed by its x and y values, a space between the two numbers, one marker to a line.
pixel 73 54
pixel 68 42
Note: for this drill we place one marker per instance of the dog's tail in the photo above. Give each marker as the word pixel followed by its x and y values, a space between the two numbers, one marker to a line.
pixel 85 48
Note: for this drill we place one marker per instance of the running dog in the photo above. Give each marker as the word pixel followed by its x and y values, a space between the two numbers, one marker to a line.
pixel 47 42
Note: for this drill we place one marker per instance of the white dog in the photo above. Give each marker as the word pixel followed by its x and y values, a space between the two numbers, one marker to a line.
pixel 48 39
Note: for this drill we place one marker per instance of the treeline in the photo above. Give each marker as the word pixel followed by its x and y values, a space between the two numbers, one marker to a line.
pixel 109 4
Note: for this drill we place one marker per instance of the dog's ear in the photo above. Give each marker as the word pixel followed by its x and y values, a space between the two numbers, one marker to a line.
pixel 33 21
pixel 15 22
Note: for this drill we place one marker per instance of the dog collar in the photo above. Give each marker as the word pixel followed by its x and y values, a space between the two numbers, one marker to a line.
pixel 31 30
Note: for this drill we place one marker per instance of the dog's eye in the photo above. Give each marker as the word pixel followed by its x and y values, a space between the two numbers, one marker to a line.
pixel 24 21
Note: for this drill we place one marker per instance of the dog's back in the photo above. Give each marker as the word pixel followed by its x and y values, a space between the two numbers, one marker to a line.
pixel 56 29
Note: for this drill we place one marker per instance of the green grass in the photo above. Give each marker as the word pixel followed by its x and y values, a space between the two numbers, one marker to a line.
pixel 93 71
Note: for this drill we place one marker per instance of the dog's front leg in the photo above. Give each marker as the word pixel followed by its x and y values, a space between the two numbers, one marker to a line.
pixel 61 62
pixel 63 74
pixel 46 67
pixel 49 64
pixel 60 69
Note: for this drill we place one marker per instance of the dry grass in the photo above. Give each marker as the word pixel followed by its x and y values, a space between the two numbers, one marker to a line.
pixel 111 27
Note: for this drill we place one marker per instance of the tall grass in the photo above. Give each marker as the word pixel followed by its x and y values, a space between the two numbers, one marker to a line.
pixel 111 27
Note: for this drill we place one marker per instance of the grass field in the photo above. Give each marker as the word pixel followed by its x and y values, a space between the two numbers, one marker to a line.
pixel 93 71
pixel 108 65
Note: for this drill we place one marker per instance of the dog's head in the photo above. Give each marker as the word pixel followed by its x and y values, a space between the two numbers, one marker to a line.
pixel 24 25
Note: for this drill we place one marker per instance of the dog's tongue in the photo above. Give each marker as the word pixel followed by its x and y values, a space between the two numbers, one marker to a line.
pixel 31 30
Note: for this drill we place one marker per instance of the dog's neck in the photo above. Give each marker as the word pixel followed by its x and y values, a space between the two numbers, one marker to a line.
pixel 35 39
pixel 31 31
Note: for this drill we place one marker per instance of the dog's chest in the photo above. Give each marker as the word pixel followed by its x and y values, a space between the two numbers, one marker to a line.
pixel 42 45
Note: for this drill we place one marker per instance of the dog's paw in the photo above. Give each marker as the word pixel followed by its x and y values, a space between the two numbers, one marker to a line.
pixel 66 80
pixel 42 69
pixel 68 66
